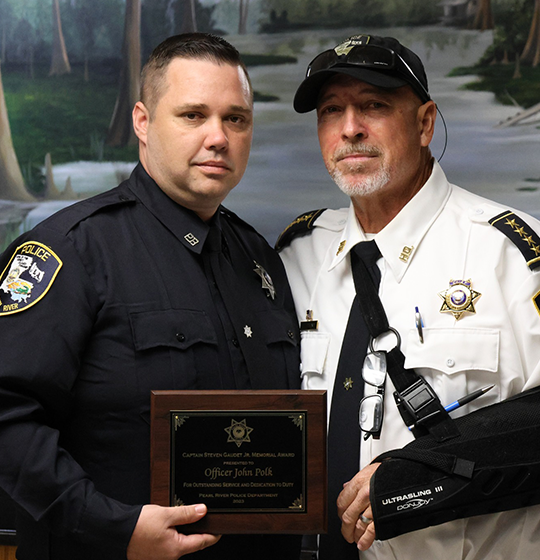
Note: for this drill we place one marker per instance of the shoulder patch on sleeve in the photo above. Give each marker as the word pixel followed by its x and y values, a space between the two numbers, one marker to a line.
pixel 27 277
pixel 521 235
pixel 300 226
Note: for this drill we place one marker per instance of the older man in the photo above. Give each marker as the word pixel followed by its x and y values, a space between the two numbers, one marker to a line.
pixel 131 291
pixel 450 276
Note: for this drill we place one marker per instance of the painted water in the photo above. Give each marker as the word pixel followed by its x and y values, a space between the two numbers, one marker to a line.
pixel 286 176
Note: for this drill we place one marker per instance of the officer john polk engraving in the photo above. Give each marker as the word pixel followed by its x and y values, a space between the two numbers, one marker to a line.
pixel 250 461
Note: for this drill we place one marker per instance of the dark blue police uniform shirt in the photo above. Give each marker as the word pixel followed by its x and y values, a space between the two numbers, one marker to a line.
pixel 133 307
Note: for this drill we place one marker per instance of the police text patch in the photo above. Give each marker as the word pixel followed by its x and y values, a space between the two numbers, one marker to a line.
pixel 27 277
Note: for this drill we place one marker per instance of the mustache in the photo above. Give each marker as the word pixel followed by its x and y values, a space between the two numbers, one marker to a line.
pixel 356 149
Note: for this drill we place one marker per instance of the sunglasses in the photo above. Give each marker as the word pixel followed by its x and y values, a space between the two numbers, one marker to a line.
pixel 366 56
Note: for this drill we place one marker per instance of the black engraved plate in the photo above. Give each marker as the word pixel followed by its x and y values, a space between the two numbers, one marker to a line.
pixel 245 461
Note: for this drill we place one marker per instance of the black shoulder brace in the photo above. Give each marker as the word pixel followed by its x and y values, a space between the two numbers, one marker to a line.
pixel 521 235
pixel 493 466
pixel 300 226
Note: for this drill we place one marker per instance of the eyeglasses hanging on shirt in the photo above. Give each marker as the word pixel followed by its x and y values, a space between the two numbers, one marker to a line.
pixel 374 372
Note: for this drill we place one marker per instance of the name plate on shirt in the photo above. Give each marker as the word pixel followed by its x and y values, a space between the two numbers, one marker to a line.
pixel 257 459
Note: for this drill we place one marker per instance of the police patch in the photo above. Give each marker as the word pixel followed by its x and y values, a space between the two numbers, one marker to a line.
pixel 27 277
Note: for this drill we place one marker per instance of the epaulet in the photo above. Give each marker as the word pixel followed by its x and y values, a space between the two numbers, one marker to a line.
pixel 69 217
pixel 300 226
pixel 521 235
pixel 237 219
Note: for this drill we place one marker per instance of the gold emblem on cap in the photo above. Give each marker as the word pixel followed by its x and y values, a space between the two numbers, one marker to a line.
pixel 344 48
pixel 459 298
pixel 350 43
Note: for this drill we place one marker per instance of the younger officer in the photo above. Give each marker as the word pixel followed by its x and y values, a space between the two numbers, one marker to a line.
pixel 456 274
pixel 134 290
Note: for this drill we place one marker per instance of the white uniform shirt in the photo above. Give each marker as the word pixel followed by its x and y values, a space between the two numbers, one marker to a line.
pixel 442 234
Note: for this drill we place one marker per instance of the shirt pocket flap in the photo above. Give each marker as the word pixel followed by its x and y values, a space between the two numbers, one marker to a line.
pixel 176 328
pixel 278 326
pixel 454 350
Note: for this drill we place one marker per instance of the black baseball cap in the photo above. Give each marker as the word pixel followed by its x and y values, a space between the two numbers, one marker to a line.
pixel 380 61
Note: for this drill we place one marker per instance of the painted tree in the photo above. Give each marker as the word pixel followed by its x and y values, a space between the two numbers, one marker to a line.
pixel 121 129
pixel 60 62
pixel 189 18
pixel 11 180
pixel 242 22
pixel 88 16
pixel 531 52
pixel 483 19
pixel 23 44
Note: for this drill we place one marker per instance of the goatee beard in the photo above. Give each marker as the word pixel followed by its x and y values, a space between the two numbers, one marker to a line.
pixel 366 185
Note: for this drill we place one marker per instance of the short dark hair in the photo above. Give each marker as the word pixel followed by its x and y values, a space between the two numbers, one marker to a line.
pixel 202 46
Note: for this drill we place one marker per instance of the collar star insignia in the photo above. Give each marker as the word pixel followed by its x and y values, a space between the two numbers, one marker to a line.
pixel 267 283
pixel 459 298
pixel 238 432
pixel 248 332
pixel 348 383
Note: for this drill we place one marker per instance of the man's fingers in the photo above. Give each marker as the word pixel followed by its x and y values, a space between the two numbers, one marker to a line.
pixel 366 540
pixel 193 543
pixel 364 525
pixel 190 514
pixel 186 514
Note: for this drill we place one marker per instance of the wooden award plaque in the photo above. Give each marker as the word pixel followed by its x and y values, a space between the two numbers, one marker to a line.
pixel 257 459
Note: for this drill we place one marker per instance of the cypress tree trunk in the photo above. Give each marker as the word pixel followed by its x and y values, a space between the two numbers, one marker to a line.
pixel 484 17
pixel 59 63
pixel 11 180
pixel 121 128
pixel 189 19
pixel 531 52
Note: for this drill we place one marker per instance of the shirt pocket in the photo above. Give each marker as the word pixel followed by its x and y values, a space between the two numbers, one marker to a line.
pixel 454 350
pixel 173 345
pixel 456 362
pixel 281 335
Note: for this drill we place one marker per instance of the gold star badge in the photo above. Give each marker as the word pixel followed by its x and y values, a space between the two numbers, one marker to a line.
pixel 459 298
pixel 348 383
pixel 238 432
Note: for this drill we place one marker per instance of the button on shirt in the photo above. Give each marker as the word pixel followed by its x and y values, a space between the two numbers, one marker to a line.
pixel 442 234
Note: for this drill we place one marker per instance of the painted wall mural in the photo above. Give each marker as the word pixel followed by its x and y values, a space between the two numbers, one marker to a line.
pixel 69 77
